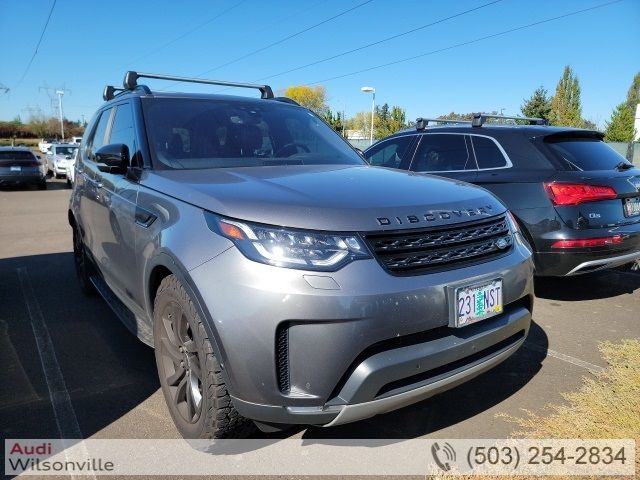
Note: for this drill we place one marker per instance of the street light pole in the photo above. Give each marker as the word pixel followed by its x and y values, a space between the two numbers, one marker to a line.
pixel 373 107
pixel 60 93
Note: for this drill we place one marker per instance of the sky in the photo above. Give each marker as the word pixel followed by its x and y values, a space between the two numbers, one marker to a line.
pixel 89 44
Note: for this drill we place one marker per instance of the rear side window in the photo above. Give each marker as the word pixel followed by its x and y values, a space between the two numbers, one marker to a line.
pixel 391 153
pixel 585 153
pixel 442 153
pixel 488 155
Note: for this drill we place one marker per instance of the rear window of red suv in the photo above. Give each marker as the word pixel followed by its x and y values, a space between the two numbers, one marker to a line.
pixel 586 154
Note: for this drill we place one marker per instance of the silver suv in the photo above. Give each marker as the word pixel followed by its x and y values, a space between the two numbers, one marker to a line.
pixel 280 278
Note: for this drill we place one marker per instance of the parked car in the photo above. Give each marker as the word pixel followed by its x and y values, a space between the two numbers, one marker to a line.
pixel 45 143
pixel 71 168
pixel 576 200
pixel 19 166
pixel 76 140
pixel 58 155
pixel 278 276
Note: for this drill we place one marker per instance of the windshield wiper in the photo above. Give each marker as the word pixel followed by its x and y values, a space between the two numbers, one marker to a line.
pixel 623 166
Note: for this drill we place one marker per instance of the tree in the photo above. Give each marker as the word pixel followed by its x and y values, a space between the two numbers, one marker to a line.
pixel 633 95
pixel 566 108
pixel 620 127
pixel 457 116
pixel 313 98
pixel 336 122
pixel 388 121
pixel 538 105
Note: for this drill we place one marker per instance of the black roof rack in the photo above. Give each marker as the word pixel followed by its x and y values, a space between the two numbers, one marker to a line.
pixel 110 92
pixel 131 82
pixel 480 118
pixel 422 123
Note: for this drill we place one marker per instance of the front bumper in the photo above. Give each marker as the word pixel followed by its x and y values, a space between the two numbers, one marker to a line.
pixel 59 169
pixel 358 341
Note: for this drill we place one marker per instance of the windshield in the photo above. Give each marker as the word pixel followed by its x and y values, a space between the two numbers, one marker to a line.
pixel 203 133
pixel 586 154
pixel 66 150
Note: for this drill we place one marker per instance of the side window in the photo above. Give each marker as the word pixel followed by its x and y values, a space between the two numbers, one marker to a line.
pixel 122 128
pixel 391 153
pixel 439 152
pixel 487 152
pixel 97 139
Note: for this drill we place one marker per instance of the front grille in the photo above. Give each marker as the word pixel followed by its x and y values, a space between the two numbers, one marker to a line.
pixel 411 252
pixel 282 357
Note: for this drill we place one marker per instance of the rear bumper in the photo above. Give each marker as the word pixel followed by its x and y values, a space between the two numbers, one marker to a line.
pixel 566 262
pixel 401 376
pixel 12 180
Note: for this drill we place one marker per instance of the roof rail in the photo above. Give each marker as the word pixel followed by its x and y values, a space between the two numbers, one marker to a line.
pixel 131 82
pixel 480 119
pixel 422 123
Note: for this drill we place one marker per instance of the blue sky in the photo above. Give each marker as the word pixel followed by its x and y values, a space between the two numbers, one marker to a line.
pixel 90 44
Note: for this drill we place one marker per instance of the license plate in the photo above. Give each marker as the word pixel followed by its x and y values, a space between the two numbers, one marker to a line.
pixel 478 302
pixel 632 206
pixel 16 168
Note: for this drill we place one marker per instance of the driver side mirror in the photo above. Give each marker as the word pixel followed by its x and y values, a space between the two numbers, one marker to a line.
pixel 113 158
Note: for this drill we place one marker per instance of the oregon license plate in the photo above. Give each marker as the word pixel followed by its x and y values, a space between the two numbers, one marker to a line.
pixel 475 303
pixel 632 206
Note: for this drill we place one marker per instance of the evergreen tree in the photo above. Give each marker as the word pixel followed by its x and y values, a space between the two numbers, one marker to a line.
pixel 538 105
pixel 620 127
pixel 566 108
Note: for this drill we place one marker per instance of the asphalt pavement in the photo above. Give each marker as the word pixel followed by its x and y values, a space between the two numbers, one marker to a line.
pixel 109 381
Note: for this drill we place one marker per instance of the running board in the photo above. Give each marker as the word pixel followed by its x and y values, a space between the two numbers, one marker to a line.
pixel 126 316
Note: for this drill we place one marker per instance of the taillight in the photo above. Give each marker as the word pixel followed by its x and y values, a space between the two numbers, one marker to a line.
pixel 576 193
pixel 588 242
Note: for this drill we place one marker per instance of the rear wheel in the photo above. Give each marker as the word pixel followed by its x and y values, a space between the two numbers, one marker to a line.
pixel 42 185
pixel 190 374
pixel 82 263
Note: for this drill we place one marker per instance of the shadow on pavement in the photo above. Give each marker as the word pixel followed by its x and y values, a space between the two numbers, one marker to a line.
pixel 590 286
pixel 107 371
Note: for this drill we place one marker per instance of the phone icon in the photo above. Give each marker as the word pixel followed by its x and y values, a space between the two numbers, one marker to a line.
pixel 443 456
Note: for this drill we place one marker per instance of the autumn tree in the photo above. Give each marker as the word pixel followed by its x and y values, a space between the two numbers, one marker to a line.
pixel 538 105
pixel 313 98
pixel 566 107
pixel 388 120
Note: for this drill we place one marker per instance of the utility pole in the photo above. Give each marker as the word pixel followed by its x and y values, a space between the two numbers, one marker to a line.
pixel 60 93
pixel 56 103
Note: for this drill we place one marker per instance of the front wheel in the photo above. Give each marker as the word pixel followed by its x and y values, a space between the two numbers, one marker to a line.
pixel 190 374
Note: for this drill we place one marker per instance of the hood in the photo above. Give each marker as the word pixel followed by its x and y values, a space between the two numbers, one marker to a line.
pixel 327 197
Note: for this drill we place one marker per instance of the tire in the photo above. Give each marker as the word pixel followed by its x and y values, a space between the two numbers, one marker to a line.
pixel 197 397
pixel 69 183
pixel 42 185
pixel 84 269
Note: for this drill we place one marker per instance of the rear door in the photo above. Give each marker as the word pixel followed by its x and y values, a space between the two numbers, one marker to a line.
pixel 447 154
pixel 595 187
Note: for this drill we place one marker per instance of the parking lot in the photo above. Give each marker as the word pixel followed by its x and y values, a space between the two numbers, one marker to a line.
pixel 111 381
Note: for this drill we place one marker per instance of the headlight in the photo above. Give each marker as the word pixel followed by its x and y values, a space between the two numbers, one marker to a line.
pixel 283 247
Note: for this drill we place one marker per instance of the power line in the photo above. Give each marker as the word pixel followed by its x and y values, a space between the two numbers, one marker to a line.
pixel 44 29
pixel 372 44
pixel 188 32
pixel 457 45
pixel 289 37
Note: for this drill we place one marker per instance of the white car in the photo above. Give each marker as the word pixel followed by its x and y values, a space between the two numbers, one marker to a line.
pixel 71 168
pixel 76 140
pixel 45 144
pixel 58 155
